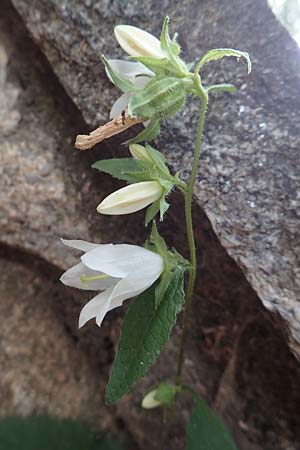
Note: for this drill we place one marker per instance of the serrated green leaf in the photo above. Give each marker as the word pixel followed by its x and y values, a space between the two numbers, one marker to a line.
pixel 205 431
pixel 145 332
pixel 148 134
pixel 45 433
pixel 223 87
pixel 127 169
pixel 121 83
pixel 218 53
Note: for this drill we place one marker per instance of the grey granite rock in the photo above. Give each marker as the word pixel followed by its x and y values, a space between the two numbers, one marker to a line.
pixel 248 184
pixel 236 357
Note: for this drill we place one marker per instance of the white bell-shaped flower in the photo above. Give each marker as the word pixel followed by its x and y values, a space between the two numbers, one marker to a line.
pixel 135 72
pixel 120 271
pixel 131 198
pixel 137 42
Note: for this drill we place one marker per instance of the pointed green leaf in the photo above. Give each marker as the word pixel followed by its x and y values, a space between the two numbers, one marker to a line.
pixel 121 83
pixel 145 332
pixel 148 134
pixel 46 433
pixel 218 53
pixel 205 431
pixel 127 169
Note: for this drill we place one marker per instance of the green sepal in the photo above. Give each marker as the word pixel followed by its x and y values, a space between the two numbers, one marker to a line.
pixel 121 83
pixel 218 53
pixel 148 134
pixel 127 169
pixel 223 87
pixel 172 50
pixel 158 66
pixel 206 431
pixel 172 260
pixel 162 95
pixel 145 332
pixel 158 159
pixel 165 393
pixel 151 211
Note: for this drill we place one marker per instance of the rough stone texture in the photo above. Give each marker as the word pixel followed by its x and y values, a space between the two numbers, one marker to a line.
pixel 41 371
pixel 248 184
pixel 236 356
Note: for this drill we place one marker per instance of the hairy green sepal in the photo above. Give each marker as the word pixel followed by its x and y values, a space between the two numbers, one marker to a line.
pixel 121 83
pixel 172 50
pixel 172 259
pixel 162 97
pixel 165 393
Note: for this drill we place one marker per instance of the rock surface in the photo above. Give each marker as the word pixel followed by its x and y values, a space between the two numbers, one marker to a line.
pixel 236 357
pixel 248 183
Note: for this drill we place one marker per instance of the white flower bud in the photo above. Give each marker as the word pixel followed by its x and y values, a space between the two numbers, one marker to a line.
pixel 131 198
pixel 149 400
pixel 137 42
pixel 139 152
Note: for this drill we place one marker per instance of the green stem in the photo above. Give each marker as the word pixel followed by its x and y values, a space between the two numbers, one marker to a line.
pixel 188 198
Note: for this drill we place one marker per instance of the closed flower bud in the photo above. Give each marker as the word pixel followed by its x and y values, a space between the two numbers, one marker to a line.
pixel 139 152
pixel 137 42
pixel 149 400
pixel 131 198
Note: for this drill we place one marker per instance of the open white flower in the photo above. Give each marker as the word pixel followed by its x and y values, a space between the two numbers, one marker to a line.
pixel 120 271
pixel 131 198
pixel 137 42
pixel 135 72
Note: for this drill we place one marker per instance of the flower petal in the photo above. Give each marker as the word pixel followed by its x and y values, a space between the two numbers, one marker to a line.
pixel 83 246
pixel 141 82
pixel 97 307
pixel 72 278
pixel 137 42
pixel 131 198
pixel 123 260
pixel 127 69
pixel 137 282
pixel 120 105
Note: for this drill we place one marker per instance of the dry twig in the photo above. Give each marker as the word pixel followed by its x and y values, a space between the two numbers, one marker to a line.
pixel 115 126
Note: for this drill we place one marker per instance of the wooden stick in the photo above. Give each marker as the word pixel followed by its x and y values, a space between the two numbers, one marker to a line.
pixel 115 126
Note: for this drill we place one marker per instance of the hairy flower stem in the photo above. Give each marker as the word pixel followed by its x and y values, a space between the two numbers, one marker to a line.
pixel 188 198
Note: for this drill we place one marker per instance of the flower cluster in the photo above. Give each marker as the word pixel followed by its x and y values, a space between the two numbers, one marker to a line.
pixel 155 85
